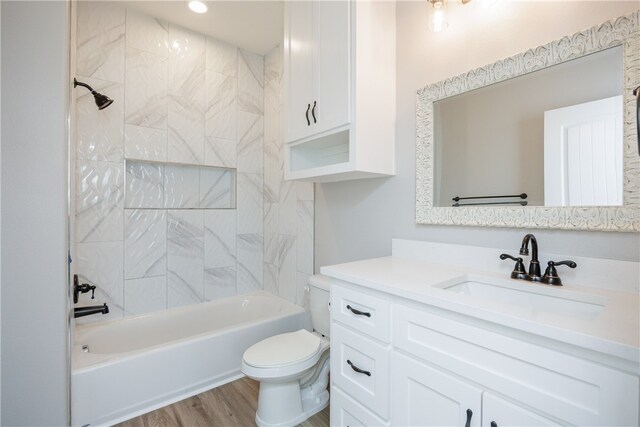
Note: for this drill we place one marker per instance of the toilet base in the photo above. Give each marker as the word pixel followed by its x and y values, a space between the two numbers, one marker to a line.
pixel 290 395
pixel 310 407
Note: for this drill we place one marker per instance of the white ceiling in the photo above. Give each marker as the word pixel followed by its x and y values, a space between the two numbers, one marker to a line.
pixel 256 26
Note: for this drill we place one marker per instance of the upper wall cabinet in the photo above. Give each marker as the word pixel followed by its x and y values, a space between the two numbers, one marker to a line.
pixel 339 90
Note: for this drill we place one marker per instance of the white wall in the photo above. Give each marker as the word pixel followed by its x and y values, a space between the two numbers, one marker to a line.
pixel 34 169
pixel 357 219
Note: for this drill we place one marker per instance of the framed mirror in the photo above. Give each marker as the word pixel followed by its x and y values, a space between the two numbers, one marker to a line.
pixel 543 139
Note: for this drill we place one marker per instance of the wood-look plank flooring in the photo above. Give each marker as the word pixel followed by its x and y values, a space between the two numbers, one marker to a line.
pixel 233 404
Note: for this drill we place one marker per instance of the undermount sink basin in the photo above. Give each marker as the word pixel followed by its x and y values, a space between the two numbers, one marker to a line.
pixel 539 299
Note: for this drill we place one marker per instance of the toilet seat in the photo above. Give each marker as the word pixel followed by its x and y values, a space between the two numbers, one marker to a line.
pixel 283 356
pixel 283 350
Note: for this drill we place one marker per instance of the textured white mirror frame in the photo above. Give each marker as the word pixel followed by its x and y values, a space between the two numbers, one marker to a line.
pixel 623 31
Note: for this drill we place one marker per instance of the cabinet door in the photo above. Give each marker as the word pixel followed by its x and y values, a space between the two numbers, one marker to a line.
pixel 500 413
pixel 332 64
pixel 425 396
pixel 298 63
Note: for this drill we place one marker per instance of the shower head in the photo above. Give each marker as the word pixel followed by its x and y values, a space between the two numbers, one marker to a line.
pixel 102 101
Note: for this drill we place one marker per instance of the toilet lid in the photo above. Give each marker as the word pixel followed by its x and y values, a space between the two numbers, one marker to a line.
pixel 283 349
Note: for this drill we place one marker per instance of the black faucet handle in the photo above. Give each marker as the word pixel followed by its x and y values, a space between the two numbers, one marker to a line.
pixel 551 274
pixel 568 263
pixel 511 257
pixel 518 270
pixel 85 287
pixel 81 289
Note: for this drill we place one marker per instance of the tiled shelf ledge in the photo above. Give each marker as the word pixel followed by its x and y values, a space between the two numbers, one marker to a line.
pixel 165 185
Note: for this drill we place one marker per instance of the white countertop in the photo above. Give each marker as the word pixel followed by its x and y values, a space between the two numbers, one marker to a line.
pixel 614 331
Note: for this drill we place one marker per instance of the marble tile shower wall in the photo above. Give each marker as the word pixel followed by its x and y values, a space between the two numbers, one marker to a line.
pixel 288 205
pixel 181 98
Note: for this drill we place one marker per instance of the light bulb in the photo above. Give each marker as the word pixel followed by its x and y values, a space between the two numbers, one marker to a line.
pixel 438 21
pixel 197 6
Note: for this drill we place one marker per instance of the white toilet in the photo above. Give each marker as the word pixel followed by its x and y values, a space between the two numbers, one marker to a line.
pixel 293 368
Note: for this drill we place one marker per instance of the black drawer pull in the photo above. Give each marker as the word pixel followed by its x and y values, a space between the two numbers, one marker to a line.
pixel 469 415
pixel 358 312
pixel 358 370
pixel 494 424
pixel 307 114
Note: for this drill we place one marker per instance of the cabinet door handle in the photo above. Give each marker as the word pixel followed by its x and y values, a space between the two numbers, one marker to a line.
pixel 358 370
pixel 494 424
pixel 358 312
pixel 307 114
pixel 469 415
pixel 313 112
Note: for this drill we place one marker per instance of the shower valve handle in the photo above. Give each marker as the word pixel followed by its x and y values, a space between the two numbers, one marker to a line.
pixel 82 289
pixel 85 287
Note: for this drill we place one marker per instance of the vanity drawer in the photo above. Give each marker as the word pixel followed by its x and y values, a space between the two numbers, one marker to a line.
pixel 361 311
pixel 360 367
pixel 572 389
pixel 347 412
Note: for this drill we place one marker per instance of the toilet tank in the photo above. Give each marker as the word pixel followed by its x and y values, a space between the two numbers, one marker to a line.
pixel 319 303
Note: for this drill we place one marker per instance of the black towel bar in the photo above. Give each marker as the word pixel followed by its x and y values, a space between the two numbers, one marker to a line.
pixel 520 203
pixel 521 196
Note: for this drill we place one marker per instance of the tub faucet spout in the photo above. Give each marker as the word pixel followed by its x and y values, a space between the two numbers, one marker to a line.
pixel 91 309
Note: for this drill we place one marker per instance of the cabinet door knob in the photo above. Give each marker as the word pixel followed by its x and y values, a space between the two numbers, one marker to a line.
pixel 358 370
pixel 358 312
pixel 494 424
pixel 313 112
pixel 469 415
pixel 307 114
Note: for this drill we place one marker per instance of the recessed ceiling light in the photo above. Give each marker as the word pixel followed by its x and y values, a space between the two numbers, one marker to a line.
pixel 197 6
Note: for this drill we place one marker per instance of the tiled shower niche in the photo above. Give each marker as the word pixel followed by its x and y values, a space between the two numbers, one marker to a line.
pixel 179 190
pixel 155 185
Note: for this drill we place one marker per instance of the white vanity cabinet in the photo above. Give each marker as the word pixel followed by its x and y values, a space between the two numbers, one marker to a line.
pixel 339 89
pixel 419 364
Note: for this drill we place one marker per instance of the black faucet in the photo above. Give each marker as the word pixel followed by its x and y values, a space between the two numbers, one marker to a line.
pixel 89 310
pixel 534 264
pixel 550 275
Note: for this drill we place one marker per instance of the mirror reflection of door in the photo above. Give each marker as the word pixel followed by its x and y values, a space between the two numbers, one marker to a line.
pixel 583 154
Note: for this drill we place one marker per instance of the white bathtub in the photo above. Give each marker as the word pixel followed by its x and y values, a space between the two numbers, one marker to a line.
pixel 138 364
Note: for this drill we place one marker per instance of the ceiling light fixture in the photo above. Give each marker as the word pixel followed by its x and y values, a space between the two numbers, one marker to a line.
pixel 197 6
